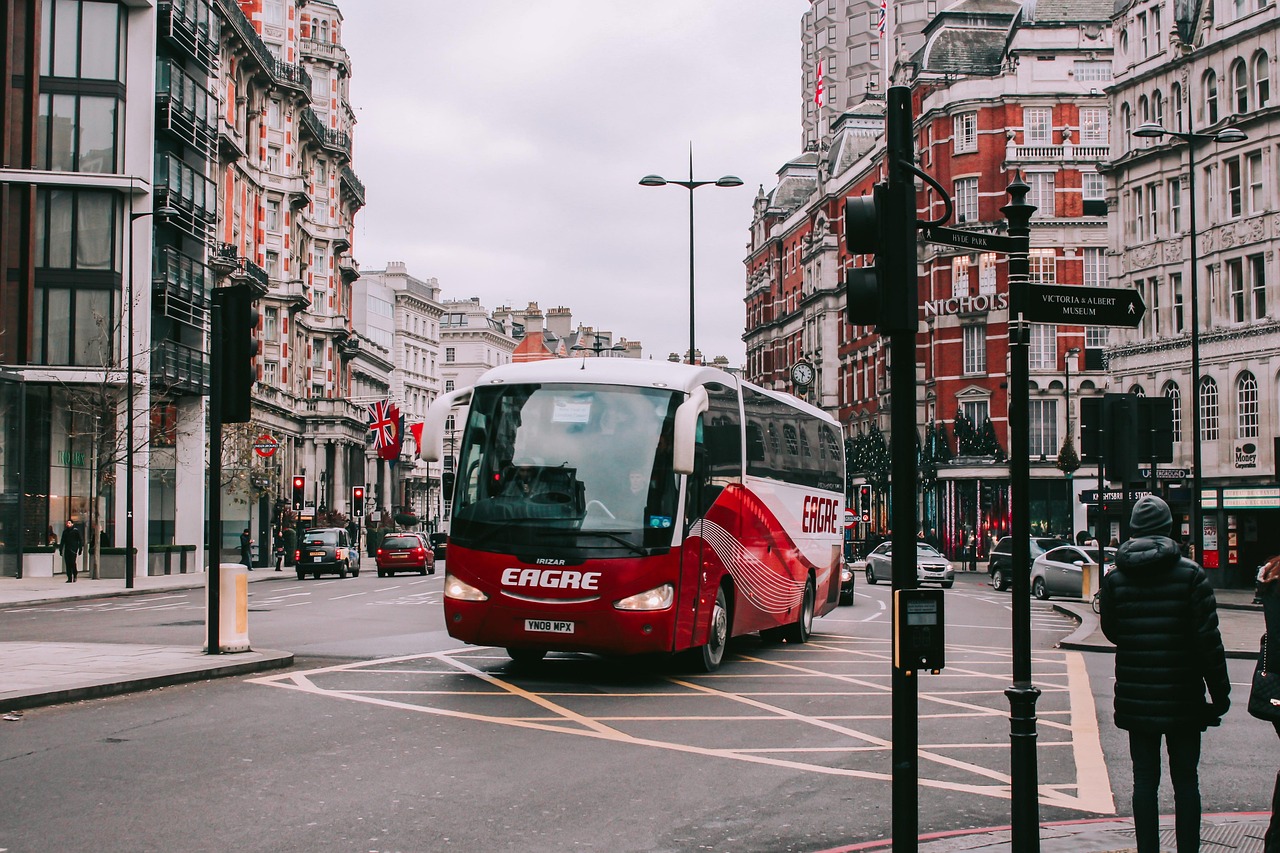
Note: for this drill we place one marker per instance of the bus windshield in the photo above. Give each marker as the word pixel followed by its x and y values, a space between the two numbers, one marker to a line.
pixel 566 468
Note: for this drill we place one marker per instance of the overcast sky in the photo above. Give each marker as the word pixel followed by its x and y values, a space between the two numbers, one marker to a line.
pixel 501 145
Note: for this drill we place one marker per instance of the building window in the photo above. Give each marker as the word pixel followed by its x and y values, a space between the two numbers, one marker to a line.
pixel 966 200
pixel 1093 186
pixel 1043 354
pixel 1144 45
pixel 1246 406
pixel 1096 337
pixel 1042 266
pixel 1042 193
pixel 1094 125
pixel 78 133
pixel 271 324
pixel 975 349
pixel 987 272
pixel 1210 88
pixel 273 264
pixel 1240 87
pixel 1235 290
pixel 1261 78
pixel 448 385
pixel 1154 305
pixel 273 12
pixel 1095 267
pixel 964 132
pixel 1037 125
pixel 83 40
pixel 1175 289
pixel 271 373
pixel 1175 98
pixel 1257 179
pixel 978 412
pixel 960 276
pixel 1234 188
pixel 273 159
pixel 274 114
pixel 1043 427
pixel 271 214
pixel 1208 409
pixel 1258 285
pixel 1092 71
pixel 1152 213
pixel 1174 187
pixel 1175 398
pixel 450 354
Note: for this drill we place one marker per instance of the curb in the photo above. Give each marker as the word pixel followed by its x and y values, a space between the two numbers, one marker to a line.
pixel 123 591
pixel 263 660
pixel 1087 627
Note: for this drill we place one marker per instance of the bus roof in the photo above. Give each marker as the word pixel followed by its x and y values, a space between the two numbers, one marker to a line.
pixel 632 371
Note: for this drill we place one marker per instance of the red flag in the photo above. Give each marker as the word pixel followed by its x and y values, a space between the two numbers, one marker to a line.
pixel 416 431
pixel 817 93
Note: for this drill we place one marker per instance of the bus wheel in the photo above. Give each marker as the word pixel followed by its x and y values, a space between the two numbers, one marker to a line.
pixel 800 630
pixel 710 655
pixel 526 655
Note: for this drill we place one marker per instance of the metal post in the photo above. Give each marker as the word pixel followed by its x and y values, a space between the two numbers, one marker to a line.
pixel 1197 518
pixel 213 640
pixel 903 470
pixel 1022 694
pixel 692 186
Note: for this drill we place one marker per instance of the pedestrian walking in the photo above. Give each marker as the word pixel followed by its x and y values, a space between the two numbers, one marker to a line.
pixel 1159 610
pixel 71 546
pixel 1269 592
pixel 246 549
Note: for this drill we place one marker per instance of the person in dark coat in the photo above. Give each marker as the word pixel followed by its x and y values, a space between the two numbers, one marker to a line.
pixel 1159 610
pixel 246 549
pixel 1269 593
pixel 71 546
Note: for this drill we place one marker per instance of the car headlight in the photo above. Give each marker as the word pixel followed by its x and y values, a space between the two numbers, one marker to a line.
pixel 461 590
pixel 658 598
pixel 846 574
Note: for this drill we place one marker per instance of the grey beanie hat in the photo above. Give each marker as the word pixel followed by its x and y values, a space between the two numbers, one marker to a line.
pixel 1151 517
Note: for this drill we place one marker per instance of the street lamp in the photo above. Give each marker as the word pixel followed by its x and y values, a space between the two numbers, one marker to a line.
pixel 1067 356
pixel 690 185
pixel 1151 130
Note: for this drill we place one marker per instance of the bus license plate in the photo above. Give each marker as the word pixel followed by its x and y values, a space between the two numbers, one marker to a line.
pixel 548 626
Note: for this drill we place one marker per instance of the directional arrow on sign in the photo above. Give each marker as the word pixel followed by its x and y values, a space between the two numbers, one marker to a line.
pixel 1084 306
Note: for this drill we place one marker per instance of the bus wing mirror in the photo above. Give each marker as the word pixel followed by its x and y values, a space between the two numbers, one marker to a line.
pixel 433 423
pixel 686 429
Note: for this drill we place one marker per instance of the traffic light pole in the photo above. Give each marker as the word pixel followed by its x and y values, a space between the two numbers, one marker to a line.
pixel 1022 694
pixel 902 312
pixel 214 501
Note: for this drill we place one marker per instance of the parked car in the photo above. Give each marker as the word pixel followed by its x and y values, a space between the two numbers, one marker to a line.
pixel 438 541
pixel 849 569
pixel 405 552
pixel 326 550
pixel 1060 571
pixel 1000 560
pixel 931 566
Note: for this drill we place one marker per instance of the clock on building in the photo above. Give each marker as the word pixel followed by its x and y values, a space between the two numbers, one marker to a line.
pixel 802 373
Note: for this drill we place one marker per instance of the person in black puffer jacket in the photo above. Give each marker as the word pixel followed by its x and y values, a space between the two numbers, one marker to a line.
pixel 1159 610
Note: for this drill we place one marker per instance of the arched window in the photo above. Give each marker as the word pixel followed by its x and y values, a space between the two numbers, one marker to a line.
pixel 1239 87
pixel 1157 108
pixel 1261 79
pixel 1208 409
pixel 1175 397
pixel 1138 391
pixel 1246 405
pixel 1126 124
pixel 1175 100
pixel 1210 88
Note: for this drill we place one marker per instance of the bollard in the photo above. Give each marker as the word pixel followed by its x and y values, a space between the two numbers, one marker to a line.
pixel 1090 575
pixel 233 607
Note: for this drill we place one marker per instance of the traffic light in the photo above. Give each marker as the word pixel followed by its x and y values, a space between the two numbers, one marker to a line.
pixel 299 492
pixel 864 503
pixel 357 501
pixel 239 351
pixel 884 224
pixel 446 485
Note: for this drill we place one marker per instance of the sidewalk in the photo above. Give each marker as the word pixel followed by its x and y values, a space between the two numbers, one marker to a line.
pixel 35 674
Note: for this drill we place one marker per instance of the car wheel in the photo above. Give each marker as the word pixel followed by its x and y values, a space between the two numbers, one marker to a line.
pixel 801 630
pixel 342 570
pixel 871 575
pixel 711 653
pixel 381 573
pixel 999 581
pixel 526 656
pixel 423 573
pixel 301 574
pixel 432 570
pixel 846 599
pixel 1039 590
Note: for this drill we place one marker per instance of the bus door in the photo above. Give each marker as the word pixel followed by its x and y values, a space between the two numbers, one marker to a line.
pixel 717 463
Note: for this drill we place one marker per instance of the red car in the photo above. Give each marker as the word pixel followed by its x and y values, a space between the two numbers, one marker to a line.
pixel 405 552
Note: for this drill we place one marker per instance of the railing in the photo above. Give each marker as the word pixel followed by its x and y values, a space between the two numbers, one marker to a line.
pixel 185 284
pixel 352 183
pixel 1091 153
pixel 181 186
pixel 281 72
pixel 325 50
pixel 185 105
pixel 226 260
pixel 292 75
pixel 192 25
pixel 179 368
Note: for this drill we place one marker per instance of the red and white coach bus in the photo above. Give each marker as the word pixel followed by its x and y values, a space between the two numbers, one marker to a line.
pixel 621 506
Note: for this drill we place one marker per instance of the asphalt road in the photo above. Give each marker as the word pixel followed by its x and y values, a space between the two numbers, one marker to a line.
pixel 389 736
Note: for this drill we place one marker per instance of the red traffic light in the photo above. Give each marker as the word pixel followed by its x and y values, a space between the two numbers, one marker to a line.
pixel 299 482
pixel 357 492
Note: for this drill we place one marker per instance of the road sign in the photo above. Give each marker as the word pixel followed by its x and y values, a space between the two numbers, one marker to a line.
pixel 1084 306
pixel 850 519
pixel 975 240
pixel 265 446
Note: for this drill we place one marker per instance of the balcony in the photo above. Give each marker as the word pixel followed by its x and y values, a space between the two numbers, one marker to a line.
pixel 191 26
pixel 333 140
pixel 183 285
pixel 352 185
pixel 184 108
pixel 349 268
pixel 1065 153
pixel 231 145
pixel 185 189
pixel 295 293
pixel 332 407
pixel 281 73
pixel 313 48
pixel 179 369
pixel 226 262
pixel 292 76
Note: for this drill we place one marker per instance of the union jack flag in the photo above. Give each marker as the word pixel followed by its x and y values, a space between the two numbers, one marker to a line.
pixel 883 23
pixel 384 420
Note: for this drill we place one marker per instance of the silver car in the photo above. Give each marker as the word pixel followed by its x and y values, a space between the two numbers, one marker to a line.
pixel 931 566
pixel 1060 571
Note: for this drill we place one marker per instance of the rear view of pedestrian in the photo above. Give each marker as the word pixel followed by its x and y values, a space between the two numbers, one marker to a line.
pixel 1269 593
pixel 71 546
pixel 1159 610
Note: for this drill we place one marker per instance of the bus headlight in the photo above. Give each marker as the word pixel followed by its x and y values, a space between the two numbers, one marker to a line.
pixel 658 598
pixel 461 590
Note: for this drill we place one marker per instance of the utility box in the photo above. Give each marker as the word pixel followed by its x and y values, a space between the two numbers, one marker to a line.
pixel 233 607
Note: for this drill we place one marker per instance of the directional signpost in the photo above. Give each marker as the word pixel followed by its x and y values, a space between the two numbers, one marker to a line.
pixel 976 240
pixel 1084 306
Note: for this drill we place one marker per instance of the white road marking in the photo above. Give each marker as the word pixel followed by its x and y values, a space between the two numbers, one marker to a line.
pixel 348 595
